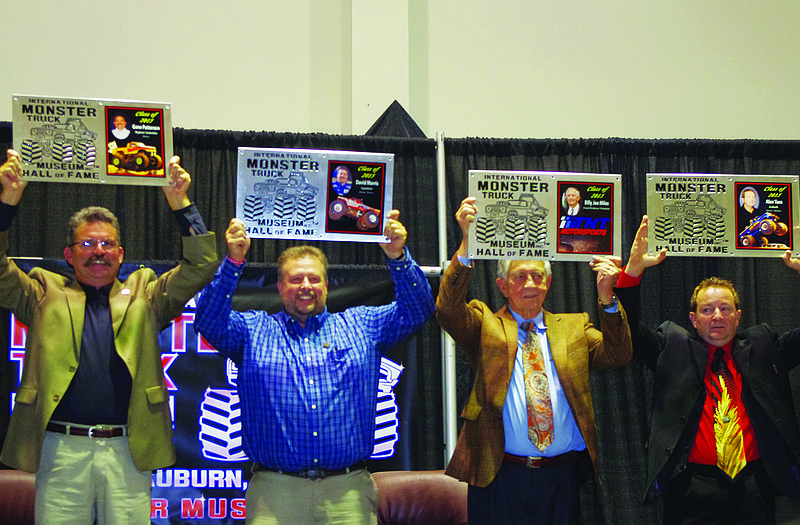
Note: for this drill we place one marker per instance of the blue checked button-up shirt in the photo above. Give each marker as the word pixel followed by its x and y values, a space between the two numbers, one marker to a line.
pixel 309 396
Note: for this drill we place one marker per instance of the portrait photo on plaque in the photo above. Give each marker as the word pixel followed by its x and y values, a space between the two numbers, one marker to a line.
pixel 586 217
pixel 135 141
pixel 763 215
pixel 355 197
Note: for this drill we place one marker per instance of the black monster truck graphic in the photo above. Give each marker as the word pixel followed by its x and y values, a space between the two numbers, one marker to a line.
pixel 69 142
pixel 513 220
pixel 282 198
pixel 698 217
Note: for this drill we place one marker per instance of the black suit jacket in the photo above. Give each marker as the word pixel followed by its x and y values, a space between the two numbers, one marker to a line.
pixel 678 358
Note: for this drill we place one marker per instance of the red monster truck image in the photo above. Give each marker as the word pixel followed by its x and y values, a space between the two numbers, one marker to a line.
pixel 754 236
pixel 366 216
pixel 136 156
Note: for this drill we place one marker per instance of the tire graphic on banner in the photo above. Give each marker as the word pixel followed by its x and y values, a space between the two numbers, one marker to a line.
pixel 386 414
pixel 221 425
pixel 221 417
pixel 253 207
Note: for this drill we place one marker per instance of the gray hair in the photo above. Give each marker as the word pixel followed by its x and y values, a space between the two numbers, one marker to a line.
pixel 90 215
pixel 503 264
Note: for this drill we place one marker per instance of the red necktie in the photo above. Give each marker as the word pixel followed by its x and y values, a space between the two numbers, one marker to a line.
pixel 727 430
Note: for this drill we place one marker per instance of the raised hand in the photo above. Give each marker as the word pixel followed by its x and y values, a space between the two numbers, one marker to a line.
pixel 640 258
pixel 11 179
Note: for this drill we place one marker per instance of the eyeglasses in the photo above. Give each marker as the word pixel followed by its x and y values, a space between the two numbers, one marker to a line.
pixel 92 243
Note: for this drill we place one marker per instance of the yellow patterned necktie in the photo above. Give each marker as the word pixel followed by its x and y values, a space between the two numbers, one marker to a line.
pixel 537 390
pixel 727 429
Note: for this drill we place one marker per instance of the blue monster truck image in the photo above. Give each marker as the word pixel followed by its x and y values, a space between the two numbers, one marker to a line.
pixel 755 235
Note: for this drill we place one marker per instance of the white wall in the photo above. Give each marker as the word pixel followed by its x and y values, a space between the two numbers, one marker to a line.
pixel 491 68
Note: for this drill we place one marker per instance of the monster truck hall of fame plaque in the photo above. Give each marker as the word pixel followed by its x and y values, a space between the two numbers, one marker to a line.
pixel 93 140
pixel 549 215
pixel 707 215
pixel 314 194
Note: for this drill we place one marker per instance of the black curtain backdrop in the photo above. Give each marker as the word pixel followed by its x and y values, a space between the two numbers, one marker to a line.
pixel 767 288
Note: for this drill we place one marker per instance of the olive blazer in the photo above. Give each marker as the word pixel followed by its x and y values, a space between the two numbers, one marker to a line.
pixel 52 306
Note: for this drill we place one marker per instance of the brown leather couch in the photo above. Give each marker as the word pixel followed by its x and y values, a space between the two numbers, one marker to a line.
pixel 404 498
pixel 420 497
pixel 17 494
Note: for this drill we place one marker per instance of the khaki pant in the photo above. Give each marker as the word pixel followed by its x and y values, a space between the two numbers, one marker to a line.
pixel 347 499
pixel 81 479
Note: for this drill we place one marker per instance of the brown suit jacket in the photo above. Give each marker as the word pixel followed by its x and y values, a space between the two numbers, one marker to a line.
pixel 490 342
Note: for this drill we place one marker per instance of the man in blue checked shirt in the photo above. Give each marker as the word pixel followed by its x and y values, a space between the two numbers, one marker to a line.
pixel 308 379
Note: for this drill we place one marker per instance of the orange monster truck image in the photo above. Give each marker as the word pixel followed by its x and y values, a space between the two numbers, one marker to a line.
pixel 136 156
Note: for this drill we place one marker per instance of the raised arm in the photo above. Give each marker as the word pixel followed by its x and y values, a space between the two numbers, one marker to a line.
pixel 237 239
pixel 608 270
pixel 11 179
pixel 179 181
pixel 639 257
pixel 397 235
pixel 465 216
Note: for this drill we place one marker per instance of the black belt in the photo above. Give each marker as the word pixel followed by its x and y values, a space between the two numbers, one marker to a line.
pixel 314 473
pixel 97 431
pixel 538 462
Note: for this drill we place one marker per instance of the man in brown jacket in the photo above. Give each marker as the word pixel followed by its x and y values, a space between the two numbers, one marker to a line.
pixel 516 476
pixel 91 417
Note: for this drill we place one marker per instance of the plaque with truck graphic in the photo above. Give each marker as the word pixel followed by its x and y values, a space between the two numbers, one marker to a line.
pixel 711 215
pixel 314 194
pixel 93 140
pixel 544 215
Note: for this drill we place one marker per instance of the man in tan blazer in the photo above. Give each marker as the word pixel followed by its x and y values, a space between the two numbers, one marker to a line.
pixel 513 476
pixel 91 417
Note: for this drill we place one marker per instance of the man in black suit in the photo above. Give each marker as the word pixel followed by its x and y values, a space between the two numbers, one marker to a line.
pixel 724 438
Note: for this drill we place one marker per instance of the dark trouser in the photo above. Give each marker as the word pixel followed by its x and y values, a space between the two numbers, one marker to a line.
pixel 703 494
pixel 519 495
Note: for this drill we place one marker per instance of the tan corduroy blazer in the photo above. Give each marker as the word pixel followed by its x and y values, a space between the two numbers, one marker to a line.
pixel 490 343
